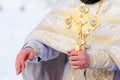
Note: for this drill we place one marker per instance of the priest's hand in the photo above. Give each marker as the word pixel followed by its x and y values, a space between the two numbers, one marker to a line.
pixel 25 54
pixel 79 59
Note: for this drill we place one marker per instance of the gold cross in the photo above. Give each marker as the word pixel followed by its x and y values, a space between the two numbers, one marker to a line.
pixel 81 22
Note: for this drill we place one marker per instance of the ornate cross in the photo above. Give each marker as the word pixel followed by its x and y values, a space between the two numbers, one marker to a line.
pixel 82 23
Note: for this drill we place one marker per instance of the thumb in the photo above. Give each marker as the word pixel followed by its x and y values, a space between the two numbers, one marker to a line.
pixel 31 56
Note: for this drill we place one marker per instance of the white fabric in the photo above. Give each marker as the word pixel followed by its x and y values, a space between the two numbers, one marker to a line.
pixel 45 53
pixel 113 67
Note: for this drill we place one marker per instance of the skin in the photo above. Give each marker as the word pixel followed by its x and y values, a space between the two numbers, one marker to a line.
pixel 25 54
pixel 79 59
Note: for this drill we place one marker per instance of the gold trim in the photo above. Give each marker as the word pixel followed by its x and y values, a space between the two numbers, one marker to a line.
pixel 113 56
pixel 68 33
pixel 100 40
pixel 109 19
pixel 64 32
pixel 101 18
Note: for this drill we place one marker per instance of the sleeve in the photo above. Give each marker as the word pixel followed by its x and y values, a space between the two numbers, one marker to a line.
pixel 102 60
pixel 42 52
pixel 114 52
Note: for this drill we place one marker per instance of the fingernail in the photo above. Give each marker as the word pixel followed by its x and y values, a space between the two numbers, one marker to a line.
pixel 18 72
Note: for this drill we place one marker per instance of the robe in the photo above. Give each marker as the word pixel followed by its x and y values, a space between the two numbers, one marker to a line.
pixel 104 43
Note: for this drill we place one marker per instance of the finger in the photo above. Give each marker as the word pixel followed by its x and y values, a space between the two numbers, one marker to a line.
pixel 74 53
pixel 70 51
pixel 77 63
pixel 73 58
pixel 78 67
pixel 31 56
pixel 74 62
pixel 16 64
pixel 22 61
pixel 18 67
pixel 20 58
pixel 24 56
pixel 75 67
pixel 23 64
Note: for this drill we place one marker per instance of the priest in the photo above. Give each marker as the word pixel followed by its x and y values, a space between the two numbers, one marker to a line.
pixel 77 40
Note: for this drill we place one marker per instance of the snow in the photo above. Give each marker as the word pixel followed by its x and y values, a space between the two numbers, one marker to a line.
pixel 14 27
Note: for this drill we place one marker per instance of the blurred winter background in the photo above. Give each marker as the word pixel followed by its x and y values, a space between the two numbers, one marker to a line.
pixel 17 19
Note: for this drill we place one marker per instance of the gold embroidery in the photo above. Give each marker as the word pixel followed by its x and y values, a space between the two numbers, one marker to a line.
pixel 105 73
pixel 65 32
pixel 101 18
pixel 94 74
pixel 99 79
pixel 50 38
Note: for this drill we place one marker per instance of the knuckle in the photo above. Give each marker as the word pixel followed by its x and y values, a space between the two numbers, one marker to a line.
pixel 31 55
